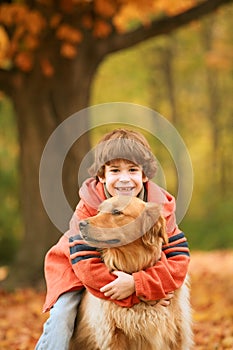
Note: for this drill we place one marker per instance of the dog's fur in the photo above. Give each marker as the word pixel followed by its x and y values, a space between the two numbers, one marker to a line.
pixel 103 325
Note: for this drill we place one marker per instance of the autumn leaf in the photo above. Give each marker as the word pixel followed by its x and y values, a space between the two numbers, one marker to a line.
pixel 4 49
pixel 68 51
pixel 55 20
pixel 24 61
pixel 101 29
pixel 69 33
pixel 87 21
pixel 106 8
pixel 47 68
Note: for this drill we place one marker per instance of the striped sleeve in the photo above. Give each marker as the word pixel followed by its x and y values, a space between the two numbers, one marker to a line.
pixel 79 250
pixel 177 245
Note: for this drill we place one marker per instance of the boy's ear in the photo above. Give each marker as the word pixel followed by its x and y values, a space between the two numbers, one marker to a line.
pixel 144 178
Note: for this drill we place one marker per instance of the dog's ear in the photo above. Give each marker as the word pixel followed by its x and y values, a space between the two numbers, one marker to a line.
pixel 156 233
pixel 154 225
pixel 149 225
pixel 150 215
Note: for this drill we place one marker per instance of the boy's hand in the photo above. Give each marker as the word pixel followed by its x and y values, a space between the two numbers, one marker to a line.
pixel 163 302
pixel 120 288
pixel 166 301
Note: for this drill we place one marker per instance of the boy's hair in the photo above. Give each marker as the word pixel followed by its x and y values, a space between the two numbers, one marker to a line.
pixel 123 144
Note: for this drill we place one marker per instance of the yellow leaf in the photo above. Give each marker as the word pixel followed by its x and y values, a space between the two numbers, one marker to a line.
pixel 5 61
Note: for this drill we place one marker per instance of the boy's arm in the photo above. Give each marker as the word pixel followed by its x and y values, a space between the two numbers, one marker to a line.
pixel 88 267
pixel 168 274
pixel 151 284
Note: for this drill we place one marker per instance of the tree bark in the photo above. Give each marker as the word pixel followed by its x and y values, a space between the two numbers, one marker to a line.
pixel 41 105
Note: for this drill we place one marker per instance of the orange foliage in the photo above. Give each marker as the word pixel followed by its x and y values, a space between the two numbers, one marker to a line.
pixel 105 8
pixel 31 42
pixel 175 7
pixel 13 14
pixel 87 22
pixel 101 29
pixel 68 50
pixel 27 28
pixel 55 20
pixel 144 11
pixel 4 48
pixel 17 14
pixel 68 33
pixel 47 67
pixel 21 318
pixel 24 61
pixel 67 5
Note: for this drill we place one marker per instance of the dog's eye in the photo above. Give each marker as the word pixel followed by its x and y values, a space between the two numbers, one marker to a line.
pixel 116 212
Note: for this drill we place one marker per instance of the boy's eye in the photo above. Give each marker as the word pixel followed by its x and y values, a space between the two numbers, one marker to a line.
pixel 116 212
pixel 134 169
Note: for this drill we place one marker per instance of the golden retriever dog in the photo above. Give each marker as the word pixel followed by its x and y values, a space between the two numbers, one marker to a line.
pixel 130 234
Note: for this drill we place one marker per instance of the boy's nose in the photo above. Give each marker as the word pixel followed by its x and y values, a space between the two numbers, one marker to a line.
pixel 124 177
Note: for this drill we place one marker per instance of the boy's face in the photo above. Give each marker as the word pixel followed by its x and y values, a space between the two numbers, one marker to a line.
pixel 123 177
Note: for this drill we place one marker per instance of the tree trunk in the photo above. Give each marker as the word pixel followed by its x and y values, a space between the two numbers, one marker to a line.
pixel 41 105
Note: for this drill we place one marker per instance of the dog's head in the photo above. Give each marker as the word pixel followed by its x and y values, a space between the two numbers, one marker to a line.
pixel 122 220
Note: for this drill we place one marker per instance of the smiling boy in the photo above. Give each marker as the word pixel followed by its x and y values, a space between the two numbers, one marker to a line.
pixel 123 165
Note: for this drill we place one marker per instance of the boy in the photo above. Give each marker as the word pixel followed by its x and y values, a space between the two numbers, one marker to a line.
pixel 123 165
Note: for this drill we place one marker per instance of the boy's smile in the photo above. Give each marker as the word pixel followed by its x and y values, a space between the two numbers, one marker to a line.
pixel 123 177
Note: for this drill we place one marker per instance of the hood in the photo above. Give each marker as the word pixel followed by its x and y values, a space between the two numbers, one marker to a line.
pixel 166 200
pixel 92 193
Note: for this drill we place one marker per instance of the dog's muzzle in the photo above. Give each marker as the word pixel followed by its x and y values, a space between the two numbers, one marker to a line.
pixel 84 232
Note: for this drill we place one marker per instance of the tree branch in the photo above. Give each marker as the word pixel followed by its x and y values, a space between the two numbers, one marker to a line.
pixel 162 26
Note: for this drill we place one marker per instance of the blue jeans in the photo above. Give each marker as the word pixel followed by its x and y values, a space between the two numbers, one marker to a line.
pixel 58 329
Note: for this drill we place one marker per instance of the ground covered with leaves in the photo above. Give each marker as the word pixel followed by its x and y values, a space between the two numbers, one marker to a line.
pixel 211 273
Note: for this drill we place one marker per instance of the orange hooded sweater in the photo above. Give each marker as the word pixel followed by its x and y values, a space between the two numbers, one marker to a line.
pixel 63 273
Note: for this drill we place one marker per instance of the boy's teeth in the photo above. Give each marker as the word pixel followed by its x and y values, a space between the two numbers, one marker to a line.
pixel 124 188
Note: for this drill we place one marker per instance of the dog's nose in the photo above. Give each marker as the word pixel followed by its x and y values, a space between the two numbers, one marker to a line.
pixel 82 225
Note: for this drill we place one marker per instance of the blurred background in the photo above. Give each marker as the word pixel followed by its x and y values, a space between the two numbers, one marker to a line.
pixel 186 75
